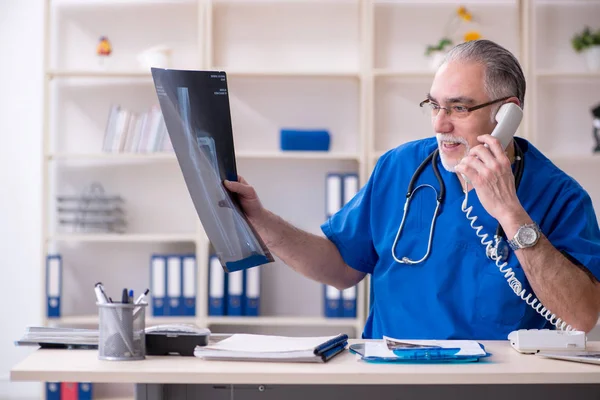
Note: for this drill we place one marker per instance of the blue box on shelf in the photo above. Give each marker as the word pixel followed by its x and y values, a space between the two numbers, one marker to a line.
pixel 305 140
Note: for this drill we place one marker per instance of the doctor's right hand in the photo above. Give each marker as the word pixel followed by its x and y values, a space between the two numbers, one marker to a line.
pixel 249 200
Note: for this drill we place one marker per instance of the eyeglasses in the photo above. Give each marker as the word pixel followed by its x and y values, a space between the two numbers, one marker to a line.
pixel 456 111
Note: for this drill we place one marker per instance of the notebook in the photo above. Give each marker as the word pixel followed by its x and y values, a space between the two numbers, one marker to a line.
pixel 248 347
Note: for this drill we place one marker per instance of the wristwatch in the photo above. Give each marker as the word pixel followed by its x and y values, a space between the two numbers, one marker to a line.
pixel 527 236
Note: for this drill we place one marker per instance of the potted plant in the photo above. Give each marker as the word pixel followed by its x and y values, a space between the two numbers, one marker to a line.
pixel 588 43
pixel 437 52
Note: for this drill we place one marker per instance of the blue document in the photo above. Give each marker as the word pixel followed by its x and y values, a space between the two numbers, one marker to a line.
pixel 390 350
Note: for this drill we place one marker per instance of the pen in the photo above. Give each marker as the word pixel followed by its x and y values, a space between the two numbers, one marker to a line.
pixel 130 296
pixel 141 297
pixel 100 295
pixel 125 297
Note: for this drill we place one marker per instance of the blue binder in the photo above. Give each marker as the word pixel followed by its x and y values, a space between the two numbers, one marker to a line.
pixel 349 302
pixel 52 390
pixel 216 287
pixel 158 283
pixel 252 285
pixel 53 285
pixel 332 302
pixel 235 293
pixel 85 391
pixel 188 273
pixel 174 301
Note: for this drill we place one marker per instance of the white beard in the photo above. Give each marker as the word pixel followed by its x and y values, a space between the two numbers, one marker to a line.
pixel 450 164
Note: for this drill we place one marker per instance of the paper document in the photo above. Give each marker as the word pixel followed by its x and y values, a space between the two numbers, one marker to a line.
pixel 246 347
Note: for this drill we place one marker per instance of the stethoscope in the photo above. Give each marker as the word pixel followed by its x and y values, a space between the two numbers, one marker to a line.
pixel 500 248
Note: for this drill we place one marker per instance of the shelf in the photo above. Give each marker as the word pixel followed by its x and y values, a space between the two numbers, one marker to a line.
pixel 296 155
pixel 112 157
pixel 123 238
pixel 388 73
pixel 565 74
pixel 236 73
pixel 97 74
pixel 453 3
pixel 79 320
pixel 252 155
pixel 239 73
pixel 283 321
pixel 115 3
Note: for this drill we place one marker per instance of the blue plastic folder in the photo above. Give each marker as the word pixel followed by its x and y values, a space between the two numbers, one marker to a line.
pixel 401 351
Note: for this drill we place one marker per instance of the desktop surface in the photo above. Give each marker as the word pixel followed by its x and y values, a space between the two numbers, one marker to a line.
pixel 505 366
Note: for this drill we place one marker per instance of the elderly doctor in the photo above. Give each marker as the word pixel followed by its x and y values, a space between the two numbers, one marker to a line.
pixel 454 289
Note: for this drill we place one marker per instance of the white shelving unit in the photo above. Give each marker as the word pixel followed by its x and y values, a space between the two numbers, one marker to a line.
pixel 561 89
pixel 355 67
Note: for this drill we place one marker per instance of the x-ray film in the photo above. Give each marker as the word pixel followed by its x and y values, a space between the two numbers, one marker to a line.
pixel 195 107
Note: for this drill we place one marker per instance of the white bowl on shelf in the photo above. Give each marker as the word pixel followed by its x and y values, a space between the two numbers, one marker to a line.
pixel 158 57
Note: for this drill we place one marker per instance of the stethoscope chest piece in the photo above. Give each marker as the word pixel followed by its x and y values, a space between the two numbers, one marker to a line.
pixel 499 250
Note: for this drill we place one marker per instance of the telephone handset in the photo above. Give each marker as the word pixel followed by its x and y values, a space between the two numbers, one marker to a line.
pixel 509 117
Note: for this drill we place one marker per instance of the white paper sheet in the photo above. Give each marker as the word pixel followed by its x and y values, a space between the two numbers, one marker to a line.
pixel 267 343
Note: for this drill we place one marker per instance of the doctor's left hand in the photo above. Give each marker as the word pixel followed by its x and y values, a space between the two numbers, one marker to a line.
pixel 490 173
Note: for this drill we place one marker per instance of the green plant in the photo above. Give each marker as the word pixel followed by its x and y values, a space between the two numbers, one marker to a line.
pixel 587 38
pixel 441 46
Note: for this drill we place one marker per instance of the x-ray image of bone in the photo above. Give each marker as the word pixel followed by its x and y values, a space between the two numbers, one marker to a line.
pixel 230 234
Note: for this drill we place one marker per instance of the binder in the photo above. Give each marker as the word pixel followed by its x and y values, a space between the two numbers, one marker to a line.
pixel 85 391
pixel 333 194
pixel 332 298
pixel 158 283
pixel 174 301
pixel 350 187
pixel 69 391
pixel 53 390
pixel 252 292
pixel 188 273
pixel 235 293
pixel 349 302
pixel 53 285
pixel 216 287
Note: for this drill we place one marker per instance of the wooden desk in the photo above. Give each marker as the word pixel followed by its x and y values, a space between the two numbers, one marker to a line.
pixel 504 367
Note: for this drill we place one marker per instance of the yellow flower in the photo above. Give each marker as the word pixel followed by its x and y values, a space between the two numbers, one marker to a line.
pixel 464 14
pixel 472 35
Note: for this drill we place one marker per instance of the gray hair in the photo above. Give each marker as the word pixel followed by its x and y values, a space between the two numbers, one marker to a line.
pixel 503 74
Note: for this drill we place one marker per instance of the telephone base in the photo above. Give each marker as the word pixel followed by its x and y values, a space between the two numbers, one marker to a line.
pixel 531 341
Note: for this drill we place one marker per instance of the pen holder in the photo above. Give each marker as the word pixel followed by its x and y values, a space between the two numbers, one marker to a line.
pixel 122 331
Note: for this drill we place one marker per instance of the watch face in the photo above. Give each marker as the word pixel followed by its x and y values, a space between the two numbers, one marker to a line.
pixel 528 236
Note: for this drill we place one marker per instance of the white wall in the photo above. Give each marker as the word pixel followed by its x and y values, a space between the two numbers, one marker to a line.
pixel 21 77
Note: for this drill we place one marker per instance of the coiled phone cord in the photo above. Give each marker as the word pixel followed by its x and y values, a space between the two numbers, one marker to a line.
pixel 512 280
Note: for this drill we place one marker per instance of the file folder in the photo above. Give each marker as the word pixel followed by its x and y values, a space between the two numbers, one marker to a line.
pixel 53 390
pixel 332 297
pixel 333 194
pixel 174 286
pixel 235 293
pixel 158 283
pixel 216 287
pixel 253 292
pixel 350 187
pixel 85 391
pixel 349 302
pixel 53 285
pixel 188 272
pixel 69 391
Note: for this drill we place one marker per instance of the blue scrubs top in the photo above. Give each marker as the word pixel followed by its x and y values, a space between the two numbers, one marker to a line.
pixel 457 293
